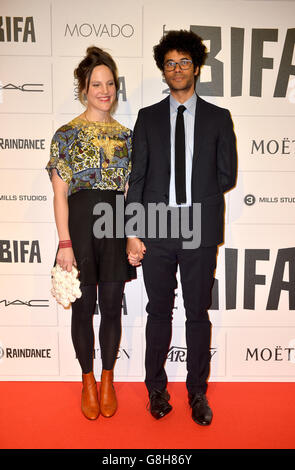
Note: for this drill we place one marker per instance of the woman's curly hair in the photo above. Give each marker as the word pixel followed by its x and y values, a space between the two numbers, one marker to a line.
pixel 181 41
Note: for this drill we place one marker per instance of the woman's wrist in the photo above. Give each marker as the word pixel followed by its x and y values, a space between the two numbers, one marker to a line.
pixel 65 244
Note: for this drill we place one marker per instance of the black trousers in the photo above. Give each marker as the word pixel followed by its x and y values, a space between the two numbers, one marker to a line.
pixel 197 268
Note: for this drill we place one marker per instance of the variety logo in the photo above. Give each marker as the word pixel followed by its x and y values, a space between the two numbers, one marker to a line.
pixel 179 354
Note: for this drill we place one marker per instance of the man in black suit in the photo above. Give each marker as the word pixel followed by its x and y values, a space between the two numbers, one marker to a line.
pixel 184 155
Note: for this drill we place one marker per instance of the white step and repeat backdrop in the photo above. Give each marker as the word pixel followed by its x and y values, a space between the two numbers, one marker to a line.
pixel 251 71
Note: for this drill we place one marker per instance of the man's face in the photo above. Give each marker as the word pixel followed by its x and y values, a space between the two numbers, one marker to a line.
pixel 179 79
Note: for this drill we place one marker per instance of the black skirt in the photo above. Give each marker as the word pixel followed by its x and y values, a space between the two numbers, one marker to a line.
pixel 98 259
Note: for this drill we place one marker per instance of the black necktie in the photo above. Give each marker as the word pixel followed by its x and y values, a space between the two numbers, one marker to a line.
pixel 180 157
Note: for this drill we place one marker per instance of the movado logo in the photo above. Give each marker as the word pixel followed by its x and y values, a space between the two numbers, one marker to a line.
pixel 112 30
pixel 17 29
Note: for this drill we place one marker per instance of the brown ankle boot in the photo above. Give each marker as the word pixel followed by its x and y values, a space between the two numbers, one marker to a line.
pixel 89 404
pixel 108 401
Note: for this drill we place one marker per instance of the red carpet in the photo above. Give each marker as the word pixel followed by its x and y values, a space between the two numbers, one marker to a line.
pixel 46 415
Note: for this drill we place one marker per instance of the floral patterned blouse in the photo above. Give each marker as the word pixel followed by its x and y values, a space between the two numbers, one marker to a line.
pixel 91 155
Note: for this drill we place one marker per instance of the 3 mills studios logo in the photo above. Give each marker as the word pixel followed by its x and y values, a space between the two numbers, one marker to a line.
pixel 250 200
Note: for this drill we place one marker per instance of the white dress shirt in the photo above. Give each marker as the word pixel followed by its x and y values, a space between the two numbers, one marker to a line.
pixel 189 126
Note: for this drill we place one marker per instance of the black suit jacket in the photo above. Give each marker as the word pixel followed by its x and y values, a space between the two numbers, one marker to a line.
pixel 214 162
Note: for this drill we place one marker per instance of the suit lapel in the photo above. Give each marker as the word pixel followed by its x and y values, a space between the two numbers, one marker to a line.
pixel 199 129
pixel 163 115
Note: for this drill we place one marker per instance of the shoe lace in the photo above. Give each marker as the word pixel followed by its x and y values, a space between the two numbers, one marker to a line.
pixel 161 396
pixel 199 398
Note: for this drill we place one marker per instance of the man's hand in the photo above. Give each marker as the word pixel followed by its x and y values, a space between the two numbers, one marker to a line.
pixel 135 250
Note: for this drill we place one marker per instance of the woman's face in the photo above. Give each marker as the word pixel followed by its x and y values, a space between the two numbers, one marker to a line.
pixel 101 93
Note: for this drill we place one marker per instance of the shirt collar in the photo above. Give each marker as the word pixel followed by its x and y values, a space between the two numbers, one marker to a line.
pixel 190 104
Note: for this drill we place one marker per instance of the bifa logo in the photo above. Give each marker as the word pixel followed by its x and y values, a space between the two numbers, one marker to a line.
pixel 285 258
pixel 258 61
pixel 17 29
pixel 20 251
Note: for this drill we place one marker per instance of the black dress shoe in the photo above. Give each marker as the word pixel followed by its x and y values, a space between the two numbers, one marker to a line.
pixel 201 411
pixel 159 405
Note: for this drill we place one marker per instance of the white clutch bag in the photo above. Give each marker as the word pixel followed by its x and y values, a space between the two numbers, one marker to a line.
pixel 65 285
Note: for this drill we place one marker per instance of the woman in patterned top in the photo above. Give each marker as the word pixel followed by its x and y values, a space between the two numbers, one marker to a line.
pixel 90 163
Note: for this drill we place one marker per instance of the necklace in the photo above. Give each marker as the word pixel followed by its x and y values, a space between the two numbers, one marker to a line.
pixel 99 122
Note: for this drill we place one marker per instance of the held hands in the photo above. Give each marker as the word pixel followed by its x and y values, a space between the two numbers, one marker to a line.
pixel 66 259
pixel 135 250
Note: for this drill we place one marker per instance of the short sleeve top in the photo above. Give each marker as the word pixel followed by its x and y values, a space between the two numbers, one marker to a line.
pixel 91 155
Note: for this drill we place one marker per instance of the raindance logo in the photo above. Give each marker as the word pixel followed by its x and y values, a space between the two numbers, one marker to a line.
pixel 12 353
